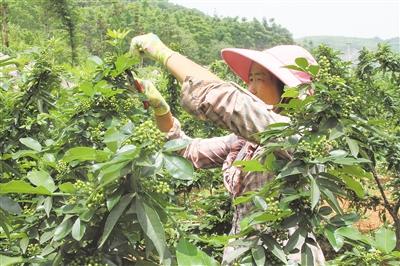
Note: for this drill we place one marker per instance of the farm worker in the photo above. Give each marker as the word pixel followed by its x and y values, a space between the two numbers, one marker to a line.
pixel 243 112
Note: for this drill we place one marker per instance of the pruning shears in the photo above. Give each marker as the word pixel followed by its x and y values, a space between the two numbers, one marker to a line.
pixel 137 86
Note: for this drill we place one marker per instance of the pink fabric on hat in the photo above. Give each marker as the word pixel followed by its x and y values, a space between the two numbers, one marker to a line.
pixel 273 59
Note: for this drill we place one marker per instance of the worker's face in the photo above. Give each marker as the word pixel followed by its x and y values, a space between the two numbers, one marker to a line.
pixel 264 85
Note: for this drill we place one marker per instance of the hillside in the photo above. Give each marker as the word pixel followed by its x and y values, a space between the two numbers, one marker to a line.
pixel 349 46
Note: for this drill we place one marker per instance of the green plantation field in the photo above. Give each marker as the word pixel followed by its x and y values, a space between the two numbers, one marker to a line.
pixel 87 178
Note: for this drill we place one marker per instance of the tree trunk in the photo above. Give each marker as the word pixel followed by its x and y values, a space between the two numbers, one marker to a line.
pixel 4 24
pixel 397 228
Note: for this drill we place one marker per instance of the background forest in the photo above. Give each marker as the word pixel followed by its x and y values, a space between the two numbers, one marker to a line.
pixel 87 179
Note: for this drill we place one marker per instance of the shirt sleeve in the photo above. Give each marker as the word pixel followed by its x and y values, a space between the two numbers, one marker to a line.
pixel 229 106
pixel 203 153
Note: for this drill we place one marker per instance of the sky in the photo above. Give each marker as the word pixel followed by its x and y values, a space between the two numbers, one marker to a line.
pixel 351 18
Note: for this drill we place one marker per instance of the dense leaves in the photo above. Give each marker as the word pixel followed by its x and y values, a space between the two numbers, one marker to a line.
pixel 86 177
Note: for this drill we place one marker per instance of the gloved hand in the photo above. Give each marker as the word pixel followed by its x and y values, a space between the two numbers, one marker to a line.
pixel 156 100
pixel 152 46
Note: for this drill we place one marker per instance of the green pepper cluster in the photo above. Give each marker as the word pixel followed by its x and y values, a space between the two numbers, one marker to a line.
pixel 148 136
pixel 28 211
pixel 87 190
pixel 301 205
pixel 348 105
pixel 273 207
pixel 33 250
pixel 127 105
pixel 87 261
pixel 280 235
pixel 158 186
pixel 371 256
pixel 97 132
pixel 324 73
pixel 62 169
pixel 317 148
pixel 84 106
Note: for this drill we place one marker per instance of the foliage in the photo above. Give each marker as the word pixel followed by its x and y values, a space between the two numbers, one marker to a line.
pixel 85 173
pixel 331 154
pixel 201 37
pixel 87 185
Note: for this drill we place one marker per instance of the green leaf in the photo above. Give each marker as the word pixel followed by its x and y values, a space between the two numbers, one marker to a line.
pixel 9 261
pixel 292 168
pixel 87 215
pixel 63 229
pixel 355 170
pixel 336 132
pixel 48 204
pixel 112 172
pixel 350 232
pixel 126 154
pixel 338 154
pixel 354 185
pixel 42 178
pixel 189 255
pixel 78 230
pixel 176 145
pixel 315 192
pixel 85 154
pixel 22 187
pixel 332 200
pixel 258 255
pixel 67 187
pixel 344 219
pixel 335 239
pixel 260 203
pixel 250 165
pixel 9 205
pixel 31 143
pixel 241 199
pixel 294 67
pixel 87 88
pixel 114 216
pixel 325 210
pixel 274 248
pixel 97 60
pixel 270 162
pixel 4 223
pixel 113 138
pixel 178 167
pixel 385 240
pixel 313 69
pixel 122 63
pixel 350 161
pixel 152 227
pixel 262 217
pixel 25 153
pixel 112 200
pixel 301 62
pixel 307 257
pixel 296 239
pixel 23 243
pixel 290 93
pixel 353 146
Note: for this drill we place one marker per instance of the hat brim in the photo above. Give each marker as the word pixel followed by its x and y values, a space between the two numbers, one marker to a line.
pixel 240 60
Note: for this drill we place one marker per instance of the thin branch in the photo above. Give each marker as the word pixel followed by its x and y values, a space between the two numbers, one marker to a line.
pixel 386 203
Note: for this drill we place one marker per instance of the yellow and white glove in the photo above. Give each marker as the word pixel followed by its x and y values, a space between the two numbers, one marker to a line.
pixel 152 46
pixel 156 100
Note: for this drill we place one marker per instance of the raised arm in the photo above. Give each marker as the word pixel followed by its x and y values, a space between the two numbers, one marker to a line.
pixel 177 64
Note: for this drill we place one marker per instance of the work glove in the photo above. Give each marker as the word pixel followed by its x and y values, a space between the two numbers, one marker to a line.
pixel 154 97
pixel 152 46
